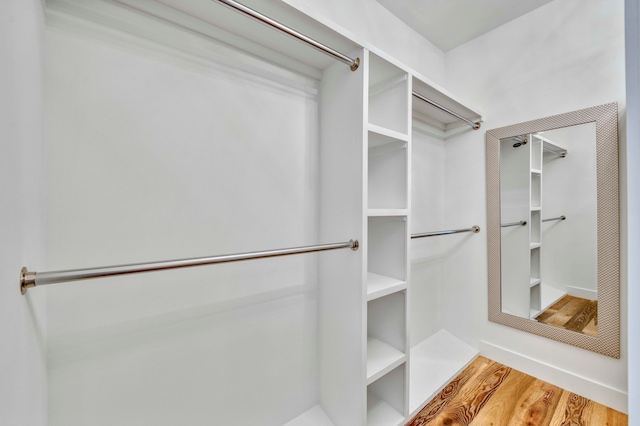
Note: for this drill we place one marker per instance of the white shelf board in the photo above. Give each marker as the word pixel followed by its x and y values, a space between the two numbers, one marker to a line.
pixel 437 94
pixel 533 281
pixel 534 245
pixel 536 208
pixel 379 130
pixel 381 358
pixel 386 212
pixel 380 285
pixel 536 171
pixel 315 416
pixel 434 362
pixel 379 413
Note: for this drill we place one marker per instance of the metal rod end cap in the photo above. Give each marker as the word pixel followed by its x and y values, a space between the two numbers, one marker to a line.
pixel 563 217
pixel 354 245
pixel 355 65
pixel 476 126
pixel 27 280
pixel 476 228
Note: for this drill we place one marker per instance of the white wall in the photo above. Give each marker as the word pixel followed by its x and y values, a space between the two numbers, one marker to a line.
pixel 372 26
pixel 151 155
pixel 632 172
pixel 23 364
pixel 569 255
pixel 541 64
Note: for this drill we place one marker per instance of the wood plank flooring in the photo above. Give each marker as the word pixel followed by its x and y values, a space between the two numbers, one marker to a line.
pixel 573 313
pixel 488 393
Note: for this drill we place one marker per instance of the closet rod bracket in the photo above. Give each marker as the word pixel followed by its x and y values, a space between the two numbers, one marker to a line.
pixel 475 228
pixel 354 66
pixel 27 280
pixel 355 245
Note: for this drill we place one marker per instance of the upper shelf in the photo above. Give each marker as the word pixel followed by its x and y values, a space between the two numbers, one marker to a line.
pixel 435 121
pixel 210 19
pixel 201 27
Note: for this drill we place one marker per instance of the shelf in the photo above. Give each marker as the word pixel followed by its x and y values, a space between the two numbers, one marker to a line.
pixel 536 171
pixel 551 147
pixel 315 416
pixel 380 413
pixel 379 286
pixel 211 21
pixel 434 121
pixel 383 131
pixel 386 212
pixel 434 362
pixel 534 281
pixel 381 358
pixel 534 245
pixel 536 209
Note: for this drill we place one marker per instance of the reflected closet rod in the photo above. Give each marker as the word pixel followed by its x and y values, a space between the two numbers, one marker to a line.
pixel 563 217
pixel 33 279
pixel 353 63
pixel 521 223
pixel 475 125
pixel 474 229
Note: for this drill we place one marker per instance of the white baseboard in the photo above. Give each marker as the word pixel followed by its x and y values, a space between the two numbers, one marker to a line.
pixel 583 293
pixel 598 392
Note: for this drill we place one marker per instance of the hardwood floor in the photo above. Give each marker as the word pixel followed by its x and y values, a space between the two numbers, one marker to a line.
pixel 573 313
pixel 488 393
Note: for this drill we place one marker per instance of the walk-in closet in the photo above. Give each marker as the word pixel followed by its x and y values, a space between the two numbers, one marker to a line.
pixel 275 212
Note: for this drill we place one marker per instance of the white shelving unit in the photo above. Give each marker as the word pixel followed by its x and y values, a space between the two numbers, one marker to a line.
pixel 535 223
pixel 387 170
pixel 541 296
pixel 365 128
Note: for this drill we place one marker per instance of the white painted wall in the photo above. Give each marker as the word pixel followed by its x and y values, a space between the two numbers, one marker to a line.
pixel 569 253
pixel 541 64
pixel 152 155
pixel 23 363
pixel 372 26
pixel 632 173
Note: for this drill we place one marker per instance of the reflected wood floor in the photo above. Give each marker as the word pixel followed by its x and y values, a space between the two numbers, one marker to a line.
pixel 488 393
pixel 573 313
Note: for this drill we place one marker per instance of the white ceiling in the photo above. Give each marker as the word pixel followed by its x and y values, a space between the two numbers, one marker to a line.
pixel 450 23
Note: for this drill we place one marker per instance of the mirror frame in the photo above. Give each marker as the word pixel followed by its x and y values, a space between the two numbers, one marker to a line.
pixel 607 342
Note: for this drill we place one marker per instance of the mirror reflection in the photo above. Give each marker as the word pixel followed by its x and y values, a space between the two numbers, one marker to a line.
pixel 548 210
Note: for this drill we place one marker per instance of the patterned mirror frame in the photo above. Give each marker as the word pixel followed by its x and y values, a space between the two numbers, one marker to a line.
pixel 607 342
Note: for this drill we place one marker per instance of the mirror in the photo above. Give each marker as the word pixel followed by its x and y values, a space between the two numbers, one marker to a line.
pixel 553 228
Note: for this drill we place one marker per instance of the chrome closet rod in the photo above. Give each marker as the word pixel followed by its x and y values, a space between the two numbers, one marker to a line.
pixel 33 279
pixel 521 223
pixel 474 229
pixel 238 7
pixel 475 126
pixel 563 217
